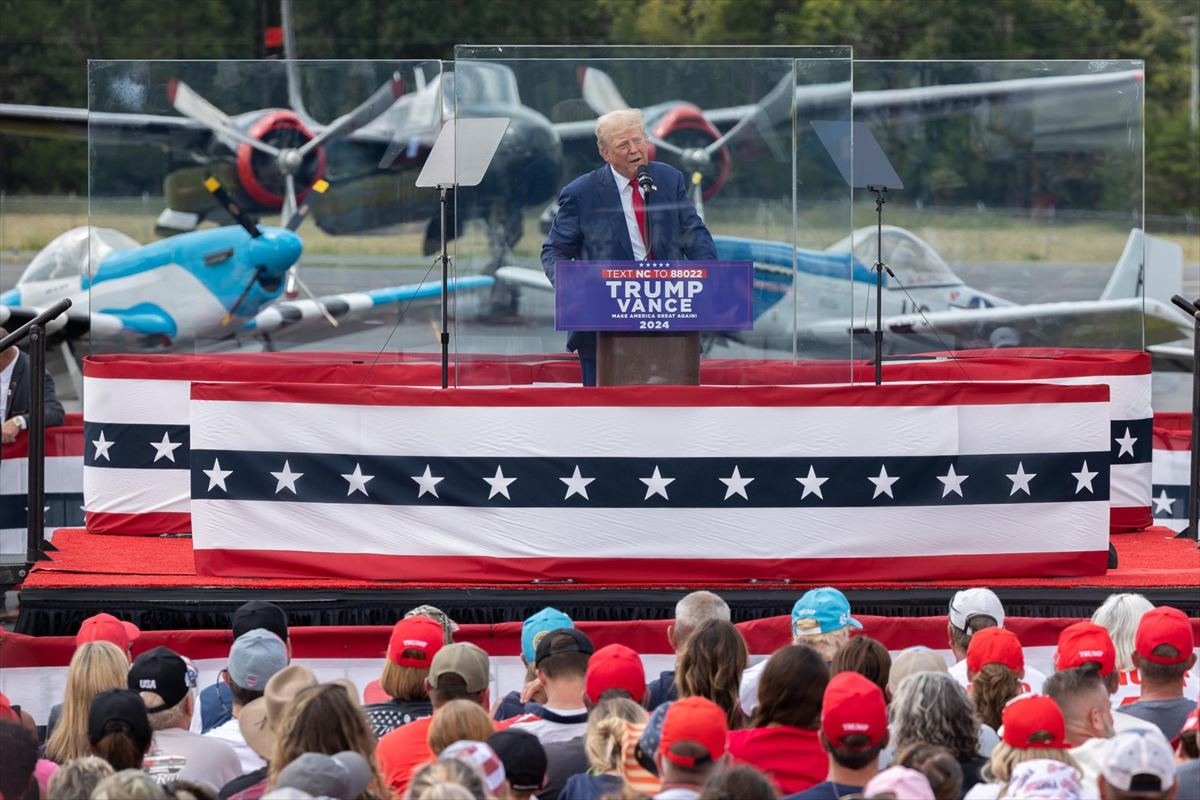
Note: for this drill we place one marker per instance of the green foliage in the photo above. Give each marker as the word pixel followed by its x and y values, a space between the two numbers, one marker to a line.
pixel 47 44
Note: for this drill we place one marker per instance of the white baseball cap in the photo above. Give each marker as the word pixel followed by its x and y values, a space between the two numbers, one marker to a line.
pixel 1139 760
pixel 971 603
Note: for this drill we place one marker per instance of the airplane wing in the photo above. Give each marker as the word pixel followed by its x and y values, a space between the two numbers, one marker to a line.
pixel 288 313
pixel 78 322
pixel 1066 324
pixel 58 122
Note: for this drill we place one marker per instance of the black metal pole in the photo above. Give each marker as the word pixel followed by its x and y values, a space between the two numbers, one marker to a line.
pixel 879 267
pixel 35 516
pixel 445 337
pixel 1192 531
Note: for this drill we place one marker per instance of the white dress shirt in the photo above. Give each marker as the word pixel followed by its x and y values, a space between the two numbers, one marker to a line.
pixel 635 235
pixel 6 381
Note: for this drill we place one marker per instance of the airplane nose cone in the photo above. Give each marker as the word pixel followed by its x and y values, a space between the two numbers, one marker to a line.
pixel 278 249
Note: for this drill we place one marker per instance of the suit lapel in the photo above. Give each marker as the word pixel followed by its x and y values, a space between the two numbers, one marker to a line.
pixel 610 197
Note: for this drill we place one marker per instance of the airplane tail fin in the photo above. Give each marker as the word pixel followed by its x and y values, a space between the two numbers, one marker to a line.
pixel 1149 267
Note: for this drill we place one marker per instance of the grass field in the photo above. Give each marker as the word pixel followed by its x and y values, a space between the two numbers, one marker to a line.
pixel 961 236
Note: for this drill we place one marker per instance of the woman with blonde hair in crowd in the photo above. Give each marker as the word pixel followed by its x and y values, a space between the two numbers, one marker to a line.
pixel 447 779
pixel 604 744
pixel 1034 729
pixel 931 707
pixel 995 667
pixel 1120 614
pixel 711 667
pixel 326 719
pixel 457 721
pixel 96 666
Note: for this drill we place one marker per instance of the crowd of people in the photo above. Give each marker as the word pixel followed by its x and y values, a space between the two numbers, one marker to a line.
pixel 831 715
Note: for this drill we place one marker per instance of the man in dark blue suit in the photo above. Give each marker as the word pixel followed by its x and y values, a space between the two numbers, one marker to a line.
pixel 603 215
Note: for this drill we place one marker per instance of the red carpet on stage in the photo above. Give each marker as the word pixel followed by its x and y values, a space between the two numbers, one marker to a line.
pixel 1149 559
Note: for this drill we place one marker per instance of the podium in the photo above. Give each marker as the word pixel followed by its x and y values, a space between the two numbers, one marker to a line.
pixel 648 315
pixel 647 359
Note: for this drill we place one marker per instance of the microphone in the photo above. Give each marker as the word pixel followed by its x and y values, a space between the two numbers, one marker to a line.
pixel 644 180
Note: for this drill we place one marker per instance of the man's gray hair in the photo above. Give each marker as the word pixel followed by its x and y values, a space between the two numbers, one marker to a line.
pixel 78 777
pixel 696 609
pixel 616 121
pixel 167 718
pixel 1120 615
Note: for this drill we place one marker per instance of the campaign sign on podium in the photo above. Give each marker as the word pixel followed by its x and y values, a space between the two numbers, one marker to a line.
pixel 636 296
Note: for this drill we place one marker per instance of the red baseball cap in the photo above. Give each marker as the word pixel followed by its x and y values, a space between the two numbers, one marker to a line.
pixel 6 709
pixel 420 634
pixel 1083 643
pixel 852 706
pixel 1029 719
pixel 995 646
pixel 694 719
pixel 615 666
pixel 107 628
pixel 1164 625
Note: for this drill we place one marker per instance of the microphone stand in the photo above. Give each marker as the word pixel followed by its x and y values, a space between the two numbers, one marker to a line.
pixel 646 184
pixel 879 268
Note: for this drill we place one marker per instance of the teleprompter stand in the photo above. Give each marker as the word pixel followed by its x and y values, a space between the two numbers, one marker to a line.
pixel 864 166
pixel 460 157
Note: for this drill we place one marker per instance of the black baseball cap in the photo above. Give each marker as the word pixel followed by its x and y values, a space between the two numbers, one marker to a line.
pixel 119 706
pixel 260 614
pixel 162 671
pixel 552 644
pixel 523 757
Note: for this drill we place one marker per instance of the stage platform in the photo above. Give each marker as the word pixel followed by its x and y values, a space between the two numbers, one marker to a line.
pixel 152 582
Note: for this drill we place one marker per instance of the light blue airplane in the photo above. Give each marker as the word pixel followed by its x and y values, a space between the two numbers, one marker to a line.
pixel 200 286
pixel 823 297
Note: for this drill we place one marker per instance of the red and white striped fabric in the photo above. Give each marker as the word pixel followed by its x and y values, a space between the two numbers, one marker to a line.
pixel 1172 465
pixel 63 487
pixel 650 484
pixel 137 424
pixel 137 485
pixel 33 668
pixel 1127 373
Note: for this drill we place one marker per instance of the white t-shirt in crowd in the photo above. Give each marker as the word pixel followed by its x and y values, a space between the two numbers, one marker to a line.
pixel 176 754
pixel 1030 684
pixel 231 734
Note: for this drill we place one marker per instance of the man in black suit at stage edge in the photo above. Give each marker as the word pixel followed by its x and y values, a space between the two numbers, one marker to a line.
pixel 14 394
pixel 603 215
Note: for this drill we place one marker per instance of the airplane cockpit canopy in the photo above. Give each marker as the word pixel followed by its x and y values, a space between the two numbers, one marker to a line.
pixel 478 83
pixel 913 260
pixel 75 253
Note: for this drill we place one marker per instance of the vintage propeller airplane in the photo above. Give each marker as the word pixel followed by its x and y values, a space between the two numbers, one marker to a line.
pixel 822 297
pixel 202 286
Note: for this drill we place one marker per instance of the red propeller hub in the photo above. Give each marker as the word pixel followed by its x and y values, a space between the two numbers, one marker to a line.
pixel 258 173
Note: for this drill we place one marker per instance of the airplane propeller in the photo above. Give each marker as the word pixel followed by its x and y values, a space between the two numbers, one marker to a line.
pixel 215 188
pixel 601 94
pixel 288 160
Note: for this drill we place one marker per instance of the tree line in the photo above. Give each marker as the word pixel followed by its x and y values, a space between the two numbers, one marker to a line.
pixel 47 46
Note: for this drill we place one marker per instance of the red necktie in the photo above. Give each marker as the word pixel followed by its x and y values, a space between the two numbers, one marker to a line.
pixel 639 211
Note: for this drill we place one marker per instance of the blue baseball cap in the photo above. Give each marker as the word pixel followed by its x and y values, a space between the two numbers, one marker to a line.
pixel 537 626
pixel 651 738
pixel 828 607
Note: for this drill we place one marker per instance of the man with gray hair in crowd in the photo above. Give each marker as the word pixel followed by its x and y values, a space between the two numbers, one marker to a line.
pixel 630 209
pixel 165 683
pixel 691 612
